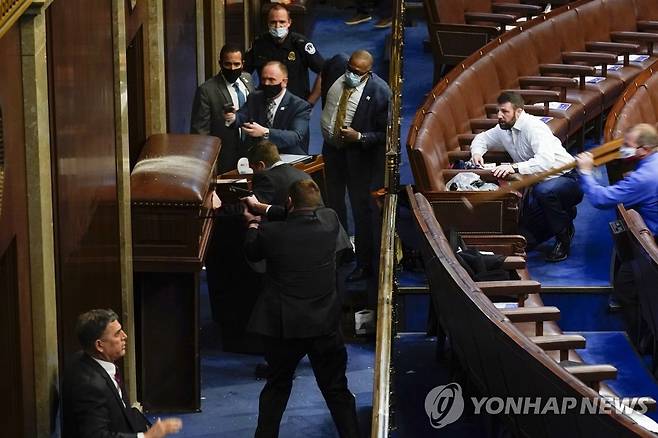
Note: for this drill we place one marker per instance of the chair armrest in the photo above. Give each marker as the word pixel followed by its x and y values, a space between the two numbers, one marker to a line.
pixel 609 47
pixel 518 288
pixel 532 314
pixel 547 81
pixel 639 37
pixel 647 26
pixel 465 139
pixel 513 263
pixel 536 96
pixel 589 57
pixel 520 10
pixel 564 343
pixel 490 157
pixel 459 155
pixel 483 124
pixel 487 17
pixel 490 31
pixel 567 69
pixel 592 375
pixel 540 111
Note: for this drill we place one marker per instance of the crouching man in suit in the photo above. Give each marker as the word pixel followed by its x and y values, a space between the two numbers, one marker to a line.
pixel 94 402
pixel 298 312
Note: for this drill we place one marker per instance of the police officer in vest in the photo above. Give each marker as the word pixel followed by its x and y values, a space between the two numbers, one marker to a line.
pixel 295 51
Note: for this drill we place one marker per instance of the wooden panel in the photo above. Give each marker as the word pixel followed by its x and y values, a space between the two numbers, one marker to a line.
pixel 180 63
pixel 18 405
pixel 80 56
pixel 136 96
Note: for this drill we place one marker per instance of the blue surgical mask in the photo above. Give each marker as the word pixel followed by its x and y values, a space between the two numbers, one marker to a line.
pixel 352 79
pixel 279 32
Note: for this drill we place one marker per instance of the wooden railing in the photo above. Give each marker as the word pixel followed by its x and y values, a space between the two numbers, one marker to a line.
pixel 381 396
pixel 10 12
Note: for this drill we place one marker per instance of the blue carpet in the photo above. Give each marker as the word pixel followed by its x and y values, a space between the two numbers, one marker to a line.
pixel 614 348
pixel 584 312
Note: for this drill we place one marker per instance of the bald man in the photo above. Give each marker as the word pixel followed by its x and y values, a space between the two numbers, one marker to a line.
pixel 354 118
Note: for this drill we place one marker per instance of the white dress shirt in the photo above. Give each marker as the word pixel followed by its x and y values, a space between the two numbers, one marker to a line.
pixel 330 111
pixel 530 143
pixel 234 94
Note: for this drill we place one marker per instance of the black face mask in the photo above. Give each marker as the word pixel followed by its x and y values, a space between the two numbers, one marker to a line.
pixel 231 75
pixel 270 91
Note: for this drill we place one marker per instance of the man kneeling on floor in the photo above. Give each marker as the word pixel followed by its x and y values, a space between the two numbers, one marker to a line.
pixel 298 312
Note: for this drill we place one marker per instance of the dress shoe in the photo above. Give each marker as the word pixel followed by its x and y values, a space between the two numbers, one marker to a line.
pixel 562 245
pixel 383 23
pixel 359 273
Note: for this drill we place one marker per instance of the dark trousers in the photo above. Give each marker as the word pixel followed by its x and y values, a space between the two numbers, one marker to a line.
pixel 328 358
pixel 550 207
pixel 381 7
pixel 358 170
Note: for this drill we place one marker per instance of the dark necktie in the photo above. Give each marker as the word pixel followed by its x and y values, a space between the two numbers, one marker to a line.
pixel 271 106
pixel 241 98
pixel 119 380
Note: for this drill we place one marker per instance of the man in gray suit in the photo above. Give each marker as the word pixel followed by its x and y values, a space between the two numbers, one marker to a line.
pixel 224 92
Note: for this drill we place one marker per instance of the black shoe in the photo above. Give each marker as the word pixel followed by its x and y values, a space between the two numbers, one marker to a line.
pixel 358 19
pixel 571 231
pixel 262 371
pixel 559 252
pixel 359 273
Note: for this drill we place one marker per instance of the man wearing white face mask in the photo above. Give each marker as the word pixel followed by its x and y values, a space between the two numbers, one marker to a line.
pixel 354 119
pixel 293 50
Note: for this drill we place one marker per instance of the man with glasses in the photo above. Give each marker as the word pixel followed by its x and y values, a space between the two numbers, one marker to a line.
pixel 354 118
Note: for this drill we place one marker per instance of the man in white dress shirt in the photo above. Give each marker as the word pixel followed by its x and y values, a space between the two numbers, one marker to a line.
pixel 550 207
pixel 93 400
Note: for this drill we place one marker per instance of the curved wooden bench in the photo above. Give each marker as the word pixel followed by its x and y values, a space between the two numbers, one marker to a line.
pixel 502 361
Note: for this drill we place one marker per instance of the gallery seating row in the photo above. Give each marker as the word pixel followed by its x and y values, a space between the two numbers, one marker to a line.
pixel 458 28
pixel 518 351
pixel 573 56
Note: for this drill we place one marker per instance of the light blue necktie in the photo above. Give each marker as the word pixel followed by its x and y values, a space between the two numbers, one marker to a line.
pixel 241 98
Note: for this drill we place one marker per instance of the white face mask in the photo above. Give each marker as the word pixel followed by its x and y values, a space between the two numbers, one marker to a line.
pixel 626 152
pixel 279 32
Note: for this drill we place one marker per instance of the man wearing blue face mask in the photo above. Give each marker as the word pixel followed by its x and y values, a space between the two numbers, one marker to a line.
pixel 354 119
pixel 293 50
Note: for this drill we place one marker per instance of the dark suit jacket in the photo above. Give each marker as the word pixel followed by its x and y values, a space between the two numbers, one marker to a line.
pixel 370 118
pixel 290 128
pixel 272 186
pixel 92 406
pixel 299 299
pixel 208 118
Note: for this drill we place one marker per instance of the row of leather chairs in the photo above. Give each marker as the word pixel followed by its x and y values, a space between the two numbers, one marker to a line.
pixel 518 351
pixel 458 28
pixel 565 56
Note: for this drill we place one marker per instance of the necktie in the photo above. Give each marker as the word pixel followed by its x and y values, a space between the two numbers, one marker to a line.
pixel 241 98
pixel 122 392
pixel 342 110
pixel 271 105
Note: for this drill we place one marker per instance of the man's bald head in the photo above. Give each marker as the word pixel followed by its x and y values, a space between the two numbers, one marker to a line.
pixel 361 62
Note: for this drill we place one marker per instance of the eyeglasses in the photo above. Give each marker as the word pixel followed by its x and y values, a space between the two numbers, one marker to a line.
pixel 356 72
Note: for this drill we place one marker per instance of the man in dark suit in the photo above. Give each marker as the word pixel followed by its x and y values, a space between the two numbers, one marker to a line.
pixel 272 177
pixel 298 311
pixel 354 119
pixel 228 88
pixel 94 402
pixel 272 113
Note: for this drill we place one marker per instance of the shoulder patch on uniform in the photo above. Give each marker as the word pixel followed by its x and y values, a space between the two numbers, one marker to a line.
pixel 309 48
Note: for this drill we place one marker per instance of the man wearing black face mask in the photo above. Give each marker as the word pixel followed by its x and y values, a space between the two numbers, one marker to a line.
pixel 550 207
pixel 272 113
pixel 229 88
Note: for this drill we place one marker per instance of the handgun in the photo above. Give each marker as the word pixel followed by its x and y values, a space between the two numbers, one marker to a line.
pixel 239 191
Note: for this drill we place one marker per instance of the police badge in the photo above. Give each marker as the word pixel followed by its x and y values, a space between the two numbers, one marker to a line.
pixel 292 56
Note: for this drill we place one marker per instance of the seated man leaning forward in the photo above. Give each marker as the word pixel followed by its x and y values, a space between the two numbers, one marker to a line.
pixel 550 206
pixel 94 401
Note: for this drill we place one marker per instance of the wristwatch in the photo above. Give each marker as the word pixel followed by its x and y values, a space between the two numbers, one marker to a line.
pixel 515 167
pixel 266 136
